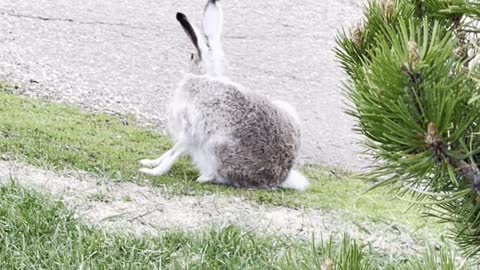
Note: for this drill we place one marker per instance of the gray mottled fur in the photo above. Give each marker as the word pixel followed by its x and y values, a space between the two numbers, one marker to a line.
pixel 255 142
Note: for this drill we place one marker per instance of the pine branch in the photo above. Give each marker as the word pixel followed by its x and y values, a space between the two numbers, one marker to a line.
pixel 416 95
pixel 469 172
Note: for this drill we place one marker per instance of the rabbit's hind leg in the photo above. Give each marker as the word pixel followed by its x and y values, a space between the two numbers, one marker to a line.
pixel 205 179
pixel 207 164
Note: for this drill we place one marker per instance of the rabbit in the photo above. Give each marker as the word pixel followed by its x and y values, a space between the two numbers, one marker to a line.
pixel 234 136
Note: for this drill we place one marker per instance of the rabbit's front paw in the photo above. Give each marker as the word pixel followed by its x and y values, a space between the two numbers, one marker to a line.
pixel 148 163
pixel 154 172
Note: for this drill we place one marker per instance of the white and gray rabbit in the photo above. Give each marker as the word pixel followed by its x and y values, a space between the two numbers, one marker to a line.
pixel 233 136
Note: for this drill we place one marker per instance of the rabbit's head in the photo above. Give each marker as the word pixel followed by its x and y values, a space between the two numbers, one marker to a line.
pixel 208 56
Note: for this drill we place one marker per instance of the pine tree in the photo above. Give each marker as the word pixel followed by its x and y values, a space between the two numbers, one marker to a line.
pixel 414 86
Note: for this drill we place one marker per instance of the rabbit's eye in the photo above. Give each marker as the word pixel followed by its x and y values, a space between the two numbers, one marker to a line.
pixel 191 56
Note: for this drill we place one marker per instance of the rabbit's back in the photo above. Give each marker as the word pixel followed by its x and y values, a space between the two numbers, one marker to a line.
pixel 260 141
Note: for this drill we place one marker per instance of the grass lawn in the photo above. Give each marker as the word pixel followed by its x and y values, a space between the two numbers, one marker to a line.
pixel 37 232
pixel 59 137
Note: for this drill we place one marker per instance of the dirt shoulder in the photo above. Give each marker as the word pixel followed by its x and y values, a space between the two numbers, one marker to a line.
pixel 128 207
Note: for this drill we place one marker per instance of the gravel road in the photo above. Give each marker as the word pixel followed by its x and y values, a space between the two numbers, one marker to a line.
pixel 123 56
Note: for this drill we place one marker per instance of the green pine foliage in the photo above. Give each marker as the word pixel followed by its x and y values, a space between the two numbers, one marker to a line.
pixel 416 95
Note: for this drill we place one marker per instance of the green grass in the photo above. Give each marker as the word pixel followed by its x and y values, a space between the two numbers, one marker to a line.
pixel 39 233
pixel 59 137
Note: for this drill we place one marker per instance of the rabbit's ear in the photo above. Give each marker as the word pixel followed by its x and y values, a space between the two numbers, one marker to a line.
pixel 192 33
pixel 212 21
pixel 212 29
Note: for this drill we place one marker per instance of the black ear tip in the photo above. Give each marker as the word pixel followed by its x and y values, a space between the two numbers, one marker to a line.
pixel 180 16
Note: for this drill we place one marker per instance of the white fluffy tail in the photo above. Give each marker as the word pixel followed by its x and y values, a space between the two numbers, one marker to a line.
pixel 295 181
